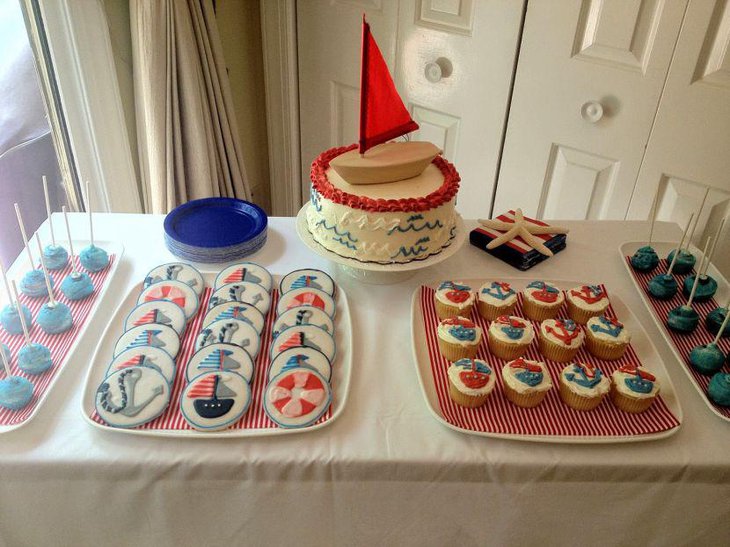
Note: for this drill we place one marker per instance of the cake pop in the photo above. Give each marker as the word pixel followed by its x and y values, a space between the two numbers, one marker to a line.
pixel 719 389
pixel 645 258
pixel 708 286
pixel 686 260
pixel 54 317
pixel 93 258
pixel 664 286
pixel 714 321
pixel 33 357
pixel 55 256
pixel 9 315
pixel 15 391
pixel 76 285
pixel 685 318
pixel 708 359
pixel 33 283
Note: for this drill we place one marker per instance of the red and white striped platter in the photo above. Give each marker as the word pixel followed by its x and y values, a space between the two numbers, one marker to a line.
pixel 682 344
pixel 254 422
pixel 552 420
pixel 61 345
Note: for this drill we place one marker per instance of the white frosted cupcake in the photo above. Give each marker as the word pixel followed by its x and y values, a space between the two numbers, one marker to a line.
pixel 606 338
pixel 585 302
pixel 458 338
pixel 496 298
pixel 560 339
pixel 526 382
pixel 583 386
pixel 453 298
pixel 633 389
pixel 510 336
pixel 470 382
pixel 542 300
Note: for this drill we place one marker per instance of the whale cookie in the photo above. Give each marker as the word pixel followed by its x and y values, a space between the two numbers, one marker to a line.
pixel 301 357
pixel 162 312
pixel 307 336
pixel 307 278
pixel 297 398
pixel 215 400
pixel 245 271
pixel 220 357
pixel 230 331
pixel 306 297
pixel 236 310
pixel 176 271
pixel 145 356
pixel 246 292
pixel 153 334
pixel 132 396
pixel 175 291
pixel 303 315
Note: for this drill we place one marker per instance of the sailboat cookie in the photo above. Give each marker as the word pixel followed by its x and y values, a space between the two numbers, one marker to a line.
pixel 153 334
pixel 163 312
pixel 245 271
pixel 314 279
pixel 220 357
pixel 215 400
pixel 307 336
pixel 145 356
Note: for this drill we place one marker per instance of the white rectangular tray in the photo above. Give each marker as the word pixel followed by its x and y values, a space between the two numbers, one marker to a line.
pixel 341 372
pixel 640 341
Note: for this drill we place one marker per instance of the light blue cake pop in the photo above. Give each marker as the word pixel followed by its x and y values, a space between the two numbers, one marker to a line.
pixel 15 392
pixel 10 319
pixel 94 258
pixel 34 358
pixel 56 257
pixel 706 359
pixel 77 286
pixel 55 318
pixel 33 284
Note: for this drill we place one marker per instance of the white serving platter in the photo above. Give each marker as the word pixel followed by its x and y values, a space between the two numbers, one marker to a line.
pixel 341 373
pixel 642 344
pixel 663 248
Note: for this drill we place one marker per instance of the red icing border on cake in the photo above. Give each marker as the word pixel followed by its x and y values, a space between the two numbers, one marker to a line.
pixel 438 197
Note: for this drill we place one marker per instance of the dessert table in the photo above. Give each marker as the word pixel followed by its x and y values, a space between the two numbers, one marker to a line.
pixel 384 472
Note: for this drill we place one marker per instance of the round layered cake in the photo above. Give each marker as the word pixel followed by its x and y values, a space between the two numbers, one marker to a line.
pixel 387 223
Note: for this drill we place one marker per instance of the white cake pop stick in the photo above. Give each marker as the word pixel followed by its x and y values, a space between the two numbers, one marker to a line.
pixel 6 365
pixel 697 219
pixel 679 246
pixel 45 273
pixel 88 207
pixel 7 285
pixel 654 208
pixel 697 277
pixel 703 272
pixel 48 210
pixel 25 237
pixel 26 334
pixel 724 324
pixel 70 242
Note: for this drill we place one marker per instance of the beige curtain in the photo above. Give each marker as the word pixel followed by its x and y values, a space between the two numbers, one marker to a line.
pixel 188 140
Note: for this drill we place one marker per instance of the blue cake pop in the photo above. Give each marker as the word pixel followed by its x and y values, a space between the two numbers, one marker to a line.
pixel 34 358
pixel 714 321
pixel 707 359
pixel 54 255
pixel 663 286
pixel 10 319
pixel 15 391
pixel 77 285
pixel 33 284
pixel 55 318
pixel 685 261
pixel 683 319
pixel 719 389
pixel 645 259
pixel 706 287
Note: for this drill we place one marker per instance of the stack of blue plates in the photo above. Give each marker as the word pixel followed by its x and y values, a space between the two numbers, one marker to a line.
pixel 215 230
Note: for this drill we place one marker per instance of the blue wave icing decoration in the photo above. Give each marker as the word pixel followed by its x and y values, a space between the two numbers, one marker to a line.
pixel 314 200
pixel 413 250
pixel 345 243
pixel 336 231
pixel 412 226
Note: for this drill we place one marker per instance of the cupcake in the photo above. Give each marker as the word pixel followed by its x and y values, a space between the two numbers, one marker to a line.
pixel 510 336
pixel 458 338
pixel 606 338
pixel 585 302
pixel 633 389
pixel 496 298
pixel 583 386
pixel 470 382
pixel 453 299
pixel 541 300
pixel 560 339
pixel 526 382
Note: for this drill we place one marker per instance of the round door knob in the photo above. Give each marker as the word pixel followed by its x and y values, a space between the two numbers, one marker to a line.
pixel 592 111
pixel 438 69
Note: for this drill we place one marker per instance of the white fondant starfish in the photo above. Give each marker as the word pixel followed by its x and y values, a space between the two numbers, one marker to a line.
pixel 521 228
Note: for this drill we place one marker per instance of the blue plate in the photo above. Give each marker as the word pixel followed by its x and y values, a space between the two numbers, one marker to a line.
pixel 212 223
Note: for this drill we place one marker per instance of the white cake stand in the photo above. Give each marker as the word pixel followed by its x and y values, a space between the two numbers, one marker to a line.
pixel 378 274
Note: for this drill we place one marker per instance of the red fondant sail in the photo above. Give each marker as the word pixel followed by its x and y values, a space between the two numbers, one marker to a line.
pixel 383 116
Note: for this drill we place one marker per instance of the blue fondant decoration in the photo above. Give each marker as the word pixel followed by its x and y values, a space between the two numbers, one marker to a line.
pixel 637 384
pixel 463 333
pixel 607 327
pixel 579 377
pixel 543 286
pixel 530 378
pixel 479 365
pixel 513 333
pixel 498 291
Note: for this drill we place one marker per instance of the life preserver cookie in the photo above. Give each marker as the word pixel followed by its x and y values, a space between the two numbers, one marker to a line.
pixel 215 400
pixel 145 356
pixel 176 271
pixel 245 271
pixel 307 278
pixel 301 357
pixel 162 312
pixel 306 297
pixel 220 357
pixel 175 291
pixel 307 336
pixel 303 315
pixel 246 292
pixel 132 396
pixel 236 310
pixel 153 334
pixel 297 398
pixel 230 331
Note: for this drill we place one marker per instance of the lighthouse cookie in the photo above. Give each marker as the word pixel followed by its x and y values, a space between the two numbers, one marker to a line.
pixel 245 271
pixel 633 389
pixel 303 315
pixel 453 298
pixel 585 302
pixel 230 331
pixel 307 336
pixel 178 292
pixel 510 336
pixel 313 279
pixel 215 400
pixel 583 386
pixel 297 397
pixel 162 312
pixel 176 271
pixel 542 300
pixel 525 382
pixel 132 396
pixel 301 357
pixel 496 298
pixel 306 297
pixel 560 339
pixel 244 291
pixel 236 310
pixel 158 336
pixel 145 356
pixel 220 357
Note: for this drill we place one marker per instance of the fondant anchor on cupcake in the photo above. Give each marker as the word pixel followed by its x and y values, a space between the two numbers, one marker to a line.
pixel 566 330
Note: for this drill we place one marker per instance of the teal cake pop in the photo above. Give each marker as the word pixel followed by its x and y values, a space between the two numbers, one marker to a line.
pixel 9 316
pixel 33 358
pixel 15 391
pixel 719 389
pixel 54 317
pixel 55 256
pixel 664 286
pixel 76 285
pixel 708 359
pixel 93 258
pixel 714 321
pixel 645 258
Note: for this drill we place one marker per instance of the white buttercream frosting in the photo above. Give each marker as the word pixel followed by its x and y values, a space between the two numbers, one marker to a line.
pixel 445 292
pixel 551 329
pixel 497 293
pixel 627 372
pixel 448 327
pixel 572 378
pixel 531 292
pixel 503 326
pixel 608 330
pixel 590 292
pixel 466 365
pixel 510 376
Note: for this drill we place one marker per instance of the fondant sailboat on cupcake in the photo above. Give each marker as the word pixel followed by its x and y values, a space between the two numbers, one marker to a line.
pixel 383 117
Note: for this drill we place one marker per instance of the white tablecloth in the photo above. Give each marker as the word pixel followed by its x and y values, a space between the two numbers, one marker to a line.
pixel 385 472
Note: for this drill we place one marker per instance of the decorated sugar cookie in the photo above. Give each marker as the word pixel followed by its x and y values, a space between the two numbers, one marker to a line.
pixel 246 292
pixel 132 396
pixel 175 291
pixel 236 310
pixel 220 357
pixel 306 297
pixel 245 271
pixel 297 398
pixel 153 334
pixel 176 271
pixel 307 336
pixel 230 331
pixel 162 312
pixel 301 357
pixel 303 315
pixel 145 356
pixel 307 278
pixel 215 400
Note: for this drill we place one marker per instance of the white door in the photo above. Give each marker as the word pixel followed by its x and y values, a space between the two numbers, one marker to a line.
pixel 689 148
pixel 589 79
pixel 452 61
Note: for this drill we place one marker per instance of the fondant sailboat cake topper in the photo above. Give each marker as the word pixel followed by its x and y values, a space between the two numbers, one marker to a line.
pixel 383 117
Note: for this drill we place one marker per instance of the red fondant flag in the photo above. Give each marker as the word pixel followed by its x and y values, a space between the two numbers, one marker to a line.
pixel 383 116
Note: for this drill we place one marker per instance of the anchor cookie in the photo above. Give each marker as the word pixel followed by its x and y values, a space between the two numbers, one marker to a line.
pixel 303 315
pixel 236 310
pixel 215 400
pixel 230 331
pixel 245 271
pixel 176 271
pixel 244 291
pixel 132 396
